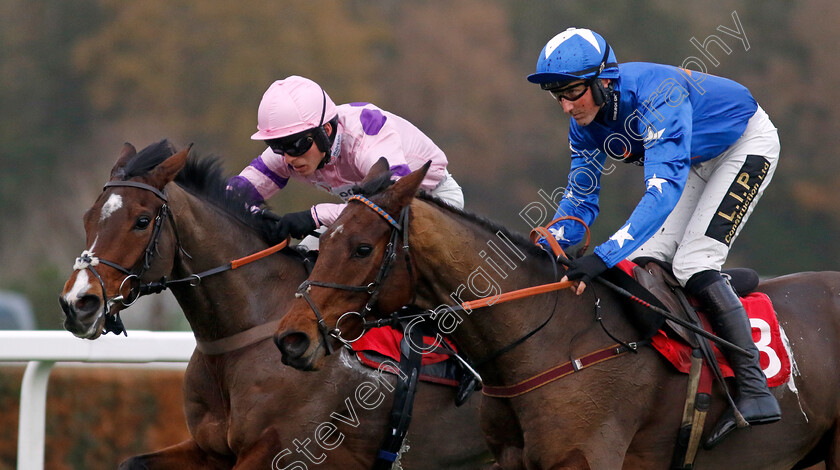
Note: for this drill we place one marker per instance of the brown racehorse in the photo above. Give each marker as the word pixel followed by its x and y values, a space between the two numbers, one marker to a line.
pixel 244 409
pixel 621 413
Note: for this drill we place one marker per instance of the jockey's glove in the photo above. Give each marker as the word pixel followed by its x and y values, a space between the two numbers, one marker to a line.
pixel 299 224
pixel 277 228
pixel 586 268
pixel 272 231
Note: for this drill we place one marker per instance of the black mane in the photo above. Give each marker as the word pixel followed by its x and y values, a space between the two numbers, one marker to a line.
pixel 202 177
pixel 520 240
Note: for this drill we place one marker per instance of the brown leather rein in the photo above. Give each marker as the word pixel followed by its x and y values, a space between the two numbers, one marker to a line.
pixel 501 391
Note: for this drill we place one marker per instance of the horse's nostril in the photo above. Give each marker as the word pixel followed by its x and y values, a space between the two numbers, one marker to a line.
pixel 292 344
pixel 87 305
pixel 65 307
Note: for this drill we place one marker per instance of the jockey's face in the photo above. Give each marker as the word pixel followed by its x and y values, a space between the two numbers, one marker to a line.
pixel 307 163
pixel 583 109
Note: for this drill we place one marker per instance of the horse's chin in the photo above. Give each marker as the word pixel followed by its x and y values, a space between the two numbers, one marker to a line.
pixel 307 363
pixel 86 331
pixel 312 360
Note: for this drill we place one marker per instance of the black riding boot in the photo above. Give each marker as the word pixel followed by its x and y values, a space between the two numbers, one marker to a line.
pixel 755 402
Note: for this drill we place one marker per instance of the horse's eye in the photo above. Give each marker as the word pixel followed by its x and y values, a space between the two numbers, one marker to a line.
pixel 363 251
pixel 142 222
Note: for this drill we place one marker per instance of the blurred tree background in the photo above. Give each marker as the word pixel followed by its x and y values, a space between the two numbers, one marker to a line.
pixel 80 78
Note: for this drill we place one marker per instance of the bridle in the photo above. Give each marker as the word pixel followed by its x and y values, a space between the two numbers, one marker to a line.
pixel 398 229
pixel 88 261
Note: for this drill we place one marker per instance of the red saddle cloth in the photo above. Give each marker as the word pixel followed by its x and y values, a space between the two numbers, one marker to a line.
pixel 383 343
pixel 767 336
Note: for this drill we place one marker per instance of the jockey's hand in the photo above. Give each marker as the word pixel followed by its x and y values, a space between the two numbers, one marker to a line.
pixel 299 224
pixel 273 230
pixel 584 269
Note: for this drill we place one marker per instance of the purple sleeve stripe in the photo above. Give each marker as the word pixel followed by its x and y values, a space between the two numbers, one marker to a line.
pixel 372 121
pixel 241 185
pixel 400 170
pixel 259 165
pixel 358 104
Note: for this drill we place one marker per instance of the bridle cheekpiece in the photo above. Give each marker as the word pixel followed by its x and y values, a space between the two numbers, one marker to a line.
pixel 373 288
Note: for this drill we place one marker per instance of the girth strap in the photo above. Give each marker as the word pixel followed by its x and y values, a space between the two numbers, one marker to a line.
pixel 403 405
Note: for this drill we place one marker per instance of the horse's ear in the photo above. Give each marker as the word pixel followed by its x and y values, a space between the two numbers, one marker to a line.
pixel 164 173
pixel 406 187
pixel 378 169
pixel 127 153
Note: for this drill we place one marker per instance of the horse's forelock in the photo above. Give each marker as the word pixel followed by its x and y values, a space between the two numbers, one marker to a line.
pixel 147 159
pixel 376 185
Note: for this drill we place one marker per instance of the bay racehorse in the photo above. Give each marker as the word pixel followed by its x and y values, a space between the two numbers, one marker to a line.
pixel 244 409
pixel 621 413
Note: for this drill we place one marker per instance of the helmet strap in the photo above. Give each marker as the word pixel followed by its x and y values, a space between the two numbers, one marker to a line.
pixel 601 95
pixel 598 92
pixel 323 143
pixel 606 95
pixel 322 140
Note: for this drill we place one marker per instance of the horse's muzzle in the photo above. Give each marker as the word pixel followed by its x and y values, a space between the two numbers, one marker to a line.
pixel 293 346
pixel 82 314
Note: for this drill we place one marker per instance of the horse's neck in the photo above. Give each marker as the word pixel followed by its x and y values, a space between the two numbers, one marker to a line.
pixel 452 269
pixel 234 300
pixel 457 252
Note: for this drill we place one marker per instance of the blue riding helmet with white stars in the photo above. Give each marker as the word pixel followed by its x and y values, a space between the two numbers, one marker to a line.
pixel 575 54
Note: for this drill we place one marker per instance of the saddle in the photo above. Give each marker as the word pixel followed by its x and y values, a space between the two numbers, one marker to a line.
pixel 657 278
pixel 656 284
pixel 386 343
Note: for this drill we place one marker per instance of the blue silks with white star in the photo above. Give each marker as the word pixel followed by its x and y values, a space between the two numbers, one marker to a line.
pixel 668 119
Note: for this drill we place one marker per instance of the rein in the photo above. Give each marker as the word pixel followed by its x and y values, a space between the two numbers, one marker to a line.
pixel 114 324
pixel 398 228
pixel 522 387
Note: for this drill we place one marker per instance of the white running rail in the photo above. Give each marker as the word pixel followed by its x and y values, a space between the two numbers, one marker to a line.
pixel 42 349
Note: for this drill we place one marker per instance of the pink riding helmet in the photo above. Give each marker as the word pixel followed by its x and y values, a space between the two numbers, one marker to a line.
pixel 292 105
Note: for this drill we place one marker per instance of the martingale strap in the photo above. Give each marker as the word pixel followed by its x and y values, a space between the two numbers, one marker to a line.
pixel 555 373
pixel 238 340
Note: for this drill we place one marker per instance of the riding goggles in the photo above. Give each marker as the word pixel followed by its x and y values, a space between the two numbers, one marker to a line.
pixel 293 146
pixel 571 92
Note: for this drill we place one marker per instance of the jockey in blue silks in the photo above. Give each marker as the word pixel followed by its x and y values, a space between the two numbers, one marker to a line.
pixel 708 152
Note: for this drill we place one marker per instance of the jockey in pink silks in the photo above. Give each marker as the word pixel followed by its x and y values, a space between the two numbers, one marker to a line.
pixel 348 139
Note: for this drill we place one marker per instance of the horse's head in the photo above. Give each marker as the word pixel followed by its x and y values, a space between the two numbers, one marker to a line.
pixel 363 257
pixel 129 239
